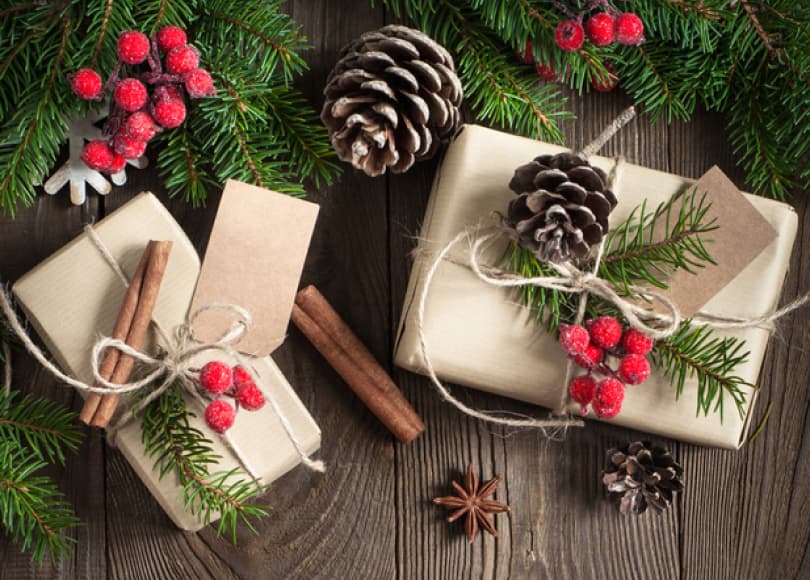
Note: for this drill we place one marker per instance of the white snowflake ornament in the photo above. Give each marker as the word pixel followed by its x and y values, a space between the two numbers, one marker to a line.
pixel 75 171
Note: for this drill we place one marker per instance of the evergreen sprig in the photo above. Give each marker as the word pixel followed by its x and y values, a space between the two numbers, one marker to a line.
pixel 258 128
pixel 747 60
pixel 180 449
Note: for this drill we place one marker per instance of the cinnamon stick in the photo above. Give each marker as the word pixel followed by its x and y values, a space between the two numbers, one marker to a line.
pixel 152 279
pixel 120 332
pixel 333 338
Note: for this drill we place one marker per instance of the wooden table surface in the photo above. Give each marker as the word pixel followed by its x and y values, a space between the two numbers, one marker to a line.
pixel 744 514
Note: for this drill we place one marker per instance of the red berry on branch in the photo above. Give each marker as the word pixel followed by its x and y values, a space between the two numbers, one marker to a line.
pixel 220 415
pixel 569 35
pixel 590 357
pixel 130 94
pixel 242 377
pixel 98 155
pixel 546 72
pixel 86 83
pixel 140 125
pixel 605 331
pixel 250 397
pixel 606 82
pixel 216 377
pixel 118 163
pixel 582 390
pixel 128 147
pixel 170 113
pixel 182 59
pixel 133 47
pixel 164 92
pixel 629 29
pixel 573 338
pixel 600 29
pixel 199 84
pixel 634 369
pixel 170 37
pixel 607 401
pixel 636 342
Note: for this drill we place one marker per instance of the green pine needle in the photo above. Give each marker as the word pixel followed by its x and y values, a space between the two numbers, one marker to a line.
pixel 184 451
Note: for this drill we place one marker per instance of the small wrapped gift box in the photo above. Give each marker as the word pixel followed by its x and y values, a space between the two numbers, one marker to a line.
pixel 480 336
pixel 73 297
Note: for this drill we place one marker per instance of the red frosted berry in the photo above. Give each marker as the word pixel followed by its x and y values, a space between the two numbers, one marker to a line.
pixel 607 81
pixel 199 84
pixel 250 397
pixel 607 401
pixel 634 369
pixel 130 94
pixel 170 37
pixel 242 377
pixel 590 357
pixel 170 113
pixel 573 338
pixel 86 83
pixel 216 377
pixel 546 72
pixel 629 29
pixel 128 147
pixel 220 415
pixel 600 29
pixel 182 59
pixel 582 390
pixel 166 92
pixel 98 155
pixel 636 342
pixel 605 331
pixel 569 35
pixel 140 125
pixel 118 163
pixel 133 47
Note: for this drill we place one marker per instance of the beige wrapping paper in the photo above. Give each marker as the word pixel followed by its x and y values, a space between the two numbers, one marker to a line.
pixel 73 297
pixel 481 337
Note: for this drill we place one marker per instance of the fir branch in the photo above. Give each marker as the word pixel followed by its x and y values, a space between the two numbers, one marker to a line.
pixel 648 247
pixel 33 511
pixel 697 353
pixel 45 427
pixel 179 448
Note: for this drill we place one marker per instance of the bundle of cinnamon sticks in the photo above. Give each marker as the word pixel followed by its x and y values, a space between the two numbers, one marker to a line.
pixel 131 327
pixel 333 338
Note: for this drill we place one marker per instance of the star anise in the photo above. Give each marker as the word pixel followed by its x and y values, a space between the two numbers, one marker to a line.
pixel 472 501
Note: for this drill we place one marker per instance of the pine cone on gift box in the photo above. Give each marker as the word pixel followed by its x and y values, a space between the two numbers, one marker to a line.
pixel 641 475
pixel 391 99
pixel 562 207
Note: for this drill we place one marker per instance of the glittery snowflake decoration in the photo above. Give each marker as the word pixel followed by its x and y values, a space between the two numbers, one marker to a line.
pixel 76 172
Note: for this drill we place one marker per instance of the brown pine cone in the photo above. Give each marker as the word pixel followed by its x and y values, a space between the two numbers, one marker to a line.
pixel 391 99
pixel 640 475
pixel 562 207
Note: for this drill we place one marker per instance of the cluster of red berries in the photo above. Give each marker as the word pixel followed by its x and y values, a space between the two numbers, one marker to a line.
pixel 135 116
pixel 602 29
pixel 218 379
pixel 590 348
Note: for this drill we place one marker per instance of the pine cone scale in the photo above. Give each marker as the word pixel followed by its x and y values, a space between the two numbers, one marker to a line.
pixel 642 476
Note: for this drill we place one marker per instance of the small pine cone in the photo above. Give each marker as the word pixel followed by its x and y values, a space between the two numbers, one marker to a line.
pixel 562 207
pixel 391 99
pixel 640 475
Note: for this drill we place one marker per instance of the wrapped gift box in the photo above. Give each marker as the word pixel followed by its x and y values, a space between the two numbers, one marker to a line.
pixel 480 336
pixel 73 297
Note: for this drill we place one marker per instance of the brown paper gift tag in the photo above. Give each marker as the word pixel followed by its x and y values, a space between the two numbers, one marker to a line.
pixel 254 260
pixel 742 235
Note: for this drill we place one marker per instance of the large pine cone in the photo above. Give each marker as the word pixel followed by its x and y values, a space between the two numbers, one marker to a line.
pixel 640 475
pixel 391 99
pixel 562 206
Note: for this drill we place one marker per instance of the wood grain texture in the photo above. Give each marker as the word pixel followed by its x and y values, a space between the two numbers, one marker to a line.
pixel 744 514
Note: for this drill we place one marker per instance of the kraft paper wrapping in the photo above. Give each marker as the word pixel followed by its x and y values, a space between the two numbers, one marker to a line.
pixel 73 297
pixel 480 336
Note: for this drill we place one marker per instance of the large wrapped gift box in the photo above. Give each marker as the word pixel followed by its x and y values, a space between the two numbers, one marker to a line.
pixel 73 297
pixel 480 336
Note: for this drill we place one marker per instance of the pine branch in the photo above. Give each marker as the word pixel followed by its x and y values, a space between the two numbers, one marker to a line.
pixel 44 427
pixel 697 353
pixel 649 247
pixel 33 511
pixel 182 450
